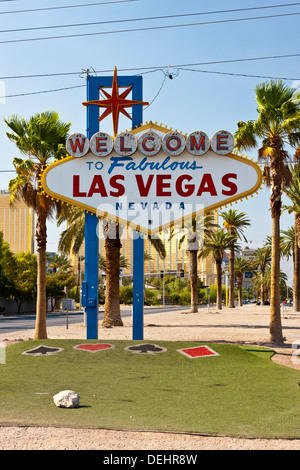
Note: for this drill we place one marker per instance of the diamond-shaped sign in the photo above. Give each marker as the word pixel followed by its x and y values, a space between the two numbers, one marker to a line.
pixel 151 178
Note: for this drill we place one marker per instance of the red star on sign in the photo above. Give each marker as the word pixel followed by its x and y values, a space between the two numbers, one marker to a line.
pixel 115 103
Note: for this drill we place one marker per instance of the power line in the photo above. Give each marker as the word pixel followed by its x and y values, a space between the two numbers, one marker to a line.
pixel 166 75
pixel 161 67
pixel 227 61
pixel 127 20
pixel 61 7
pixel 43 91
pixel 239 74
pixel 123 1
pixel 151 28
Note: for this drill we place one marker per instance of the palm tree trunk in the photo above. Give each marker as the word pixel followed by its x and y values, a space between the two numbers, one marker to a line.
pixel 112 314
pixel 41 302
pixel 194 281
pixel 296 295
pixel 219 284
pixel 78 280
pixel 231 280
pixel 262 288
pixel 275 319
pixel 240 289
pixel 275 203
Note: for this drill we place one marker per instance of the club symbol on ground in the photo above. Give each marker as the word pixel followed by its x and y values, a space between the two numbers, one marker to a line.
pixel 145 348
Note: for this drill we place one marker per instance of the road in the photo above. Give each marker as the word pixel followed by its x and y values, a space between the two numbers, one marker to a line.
pixel 15 323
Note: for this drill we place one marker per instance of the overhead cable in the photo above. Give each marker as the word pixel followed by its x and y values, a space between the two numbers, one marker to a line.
pixel 150 28
pixel 62 6
pixel 167 74
pixel 128 20
pixel 125 1
pixel 160 67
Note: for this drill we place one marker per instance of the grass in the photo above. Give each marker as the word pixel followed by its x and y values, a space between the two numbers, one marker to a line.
pixel 239 393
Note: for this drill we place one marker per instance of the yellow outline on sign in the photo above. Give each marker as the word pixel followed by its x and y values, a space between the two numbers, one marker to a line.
pixel 137 227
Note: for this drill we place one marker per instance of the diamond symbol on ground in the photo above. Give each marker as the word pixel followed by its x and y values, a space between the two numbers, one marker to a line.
pixel 198 351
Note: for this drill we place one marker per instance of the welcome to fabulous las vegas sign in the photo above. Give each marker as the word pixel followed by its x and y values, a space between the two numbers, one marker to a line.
pixel 151 177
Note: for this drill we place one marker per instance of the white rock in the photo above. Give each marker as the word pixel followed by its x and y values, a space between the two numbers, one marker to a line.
pixel 66 399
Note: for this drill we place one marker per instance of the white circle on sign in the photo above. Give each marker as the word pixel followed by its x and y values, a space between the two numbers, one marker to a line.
pixel 173 143
pixel 77 145
pixel 101 144
pixel 222 142
pixel 125 144
pixel 149 144
pixel 197 143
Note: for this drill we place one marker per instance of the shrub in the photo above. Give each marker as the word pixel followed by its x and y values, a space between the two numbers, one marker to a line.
pixel 152 297
pixel 175 297
pixel 126 293
pixel 185 297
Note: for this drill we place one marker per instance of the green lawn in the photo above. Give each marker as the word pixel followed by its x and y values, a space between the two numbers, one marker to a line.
pixel 239 393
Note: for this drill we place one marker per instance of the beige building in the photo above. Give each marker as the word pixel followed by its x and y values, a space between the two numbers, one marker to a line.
pixel 17 224
pixel 248 254
pixel 176 259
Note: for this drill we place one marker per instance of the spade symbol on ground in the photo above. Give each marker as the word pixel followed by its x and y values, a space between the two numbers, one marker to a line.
pixel 145 348
pixel 43 351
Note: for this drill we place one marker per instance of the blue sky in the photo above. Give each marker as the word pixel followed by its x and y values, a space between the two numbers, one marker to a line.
pixel 192 100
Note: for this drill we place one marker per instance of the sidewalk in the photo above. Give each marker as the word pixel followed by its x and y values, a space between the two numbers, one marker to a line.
pixel 248 325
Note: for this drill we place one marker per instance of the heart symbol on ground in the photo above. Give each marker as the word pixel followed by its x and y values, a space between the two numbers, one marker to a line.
pixel 94 347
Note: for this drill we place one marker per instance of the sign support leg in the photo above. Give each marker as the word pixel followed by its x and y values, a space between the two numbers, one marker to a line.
pixel 138 287
pixel 91 275
pixel 138 241
pixel 91 272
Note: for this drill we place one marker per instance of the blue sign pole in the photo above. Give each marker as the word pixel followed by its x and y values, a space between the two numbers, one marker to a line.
pixel 90 286
pixel 138 241
pixel 91 261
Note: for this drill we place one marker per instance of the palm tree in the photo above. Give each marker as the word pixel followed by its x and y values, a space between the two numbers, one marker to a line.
pixel 72 238
pixel 277 125
pixel 287 244
pixel 124 263
pixel 293 193
pixel 234 223
pixel 282 281
pixel 241 265
pixel 41 138
pixel 193 232
pixel 262 259
pixel 112 232
pixel 289 248
pixel 147 257
pixel 57 262
pixel 216 242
